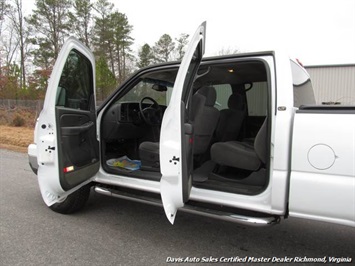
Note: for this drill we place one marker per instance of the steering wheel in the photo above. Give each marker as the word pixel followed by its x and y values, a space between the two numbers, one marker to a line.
pixel 152 115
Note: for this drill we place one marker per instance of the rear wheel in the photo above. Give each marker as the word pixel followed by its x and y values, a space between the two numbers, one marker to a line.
pixel 74 202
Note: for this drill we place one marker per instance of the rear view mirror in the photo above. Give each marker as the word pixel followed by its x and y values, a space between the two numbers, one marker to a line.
pixel 158 87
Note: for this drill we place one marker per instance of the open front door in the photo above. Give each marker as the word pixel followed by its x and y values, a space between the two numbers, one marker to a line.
pixel 67 146
pixel 176 131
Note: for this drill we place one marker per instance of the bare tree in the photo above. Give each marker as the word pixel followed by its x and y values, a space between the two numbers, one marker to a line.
pixel 228 50
pixel 8 40
pixel 163 49
pixel 3 10
pixel 181 42
pixel 17 21
pixel 10 46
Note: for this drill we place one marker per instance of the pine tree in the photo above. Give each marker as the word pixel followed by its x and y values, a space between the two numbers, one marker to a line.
pixel 112 39
pixel 105 80
pixel 81 20
pixel 122 42
pixel 145 56
pixel 102 40
pixel 50 24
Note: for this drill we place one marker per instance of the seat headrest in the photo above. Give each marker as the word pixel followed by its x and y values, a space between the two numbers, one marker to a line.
pixel 235 102
pixel 210 94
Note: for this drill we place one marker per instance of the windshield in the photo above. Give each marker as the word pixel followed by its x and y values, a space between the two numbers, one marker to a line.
pixel 156 85
pixel 146 88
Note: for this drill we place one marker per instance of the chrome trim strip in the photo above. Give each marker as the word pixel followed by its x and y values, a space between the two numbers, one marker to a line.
pixel 231 217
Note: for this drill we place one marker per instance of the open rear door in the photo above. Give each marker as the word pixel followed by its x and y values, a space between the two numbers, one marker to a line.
pixel 176 131
pixel 67 148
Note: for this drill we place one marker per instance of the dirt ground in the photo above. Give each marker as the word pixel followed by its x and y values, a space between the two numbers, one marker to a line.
pixel 15 138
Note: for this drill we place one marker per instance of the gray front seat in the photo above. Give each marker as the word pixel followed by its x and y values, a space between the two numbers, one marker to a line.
pixel 204 116
pixel 241 154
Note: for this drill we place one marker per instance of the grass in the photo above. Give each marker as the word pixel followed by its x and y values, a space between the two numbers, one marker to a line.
pixel 16 128
pixel 15 138
pixel 18 117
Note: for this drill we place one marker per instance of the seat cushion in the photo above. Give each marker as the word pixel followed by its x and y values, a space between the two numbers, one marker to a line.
pixel 149 151
pixel 235 154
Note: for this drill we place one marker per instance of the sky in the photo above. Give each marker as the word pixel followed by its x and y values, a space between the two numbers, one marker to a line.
pixel 317 32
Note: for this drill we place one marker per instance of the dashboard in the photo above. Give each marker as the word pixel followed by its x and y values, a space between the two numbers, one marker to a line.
pixel 124 121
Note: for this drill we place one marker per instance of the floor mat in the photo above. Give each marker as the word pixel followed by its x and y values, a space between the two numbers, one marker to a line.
pixel 125 163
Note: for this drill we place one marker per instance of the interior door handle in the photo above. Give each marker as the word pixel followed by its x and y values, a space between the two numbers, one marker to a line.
pixel 75 130
pixel 188 128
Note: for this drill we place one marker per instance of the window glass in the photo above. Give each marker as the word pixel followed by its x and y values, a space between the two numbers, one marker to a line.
pixel 145 89
pixel 223 92
pixel 257 99
pixel 75 88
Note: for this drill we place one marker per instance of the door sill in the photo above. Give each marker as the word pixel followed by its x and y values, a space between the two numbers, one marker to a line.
pixel 141 174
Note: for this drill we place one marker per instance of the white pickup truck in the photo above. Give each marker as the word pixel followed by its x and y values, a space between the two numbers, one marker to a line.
pixel 234 137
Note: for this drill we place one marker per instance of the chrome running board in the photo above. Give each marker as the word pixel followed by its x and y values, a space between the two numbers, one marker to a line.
pixel 216 214
pixel 233 217
pixel 128 196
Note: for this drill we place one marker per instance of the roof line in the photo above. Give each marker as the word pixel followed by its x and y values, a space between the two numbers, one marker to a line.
pixel 330 65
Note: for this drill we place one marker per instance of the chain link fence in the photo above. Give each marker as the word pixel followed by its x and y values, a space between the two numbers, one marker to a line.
pixel 10 104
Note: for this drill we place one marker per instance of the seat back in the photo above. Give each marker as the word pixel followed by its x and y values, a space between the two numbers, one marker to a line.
pixel 231 119
pixel 260 143
pixel 205 118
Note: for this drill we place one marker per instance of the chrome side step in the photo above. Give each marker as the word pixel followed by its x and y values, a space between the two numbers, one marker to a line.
pixel 221 215
pixel 233 217
pixel 127 196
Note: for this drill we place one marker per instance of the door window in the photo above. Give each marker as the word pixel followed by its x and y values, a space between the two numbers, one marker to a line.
pixel 75 89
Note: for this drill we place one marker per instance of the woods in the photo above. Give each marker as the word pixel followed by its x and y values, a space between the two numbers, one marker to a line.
pixel 30 44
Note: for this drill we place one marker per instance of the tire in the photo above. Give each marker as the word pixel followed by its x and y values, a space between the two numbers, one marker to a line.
pixel 74 202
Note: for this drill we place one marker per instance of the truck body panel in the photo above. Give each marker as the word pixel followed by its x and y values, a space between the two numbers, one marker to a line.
pixel 322 183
